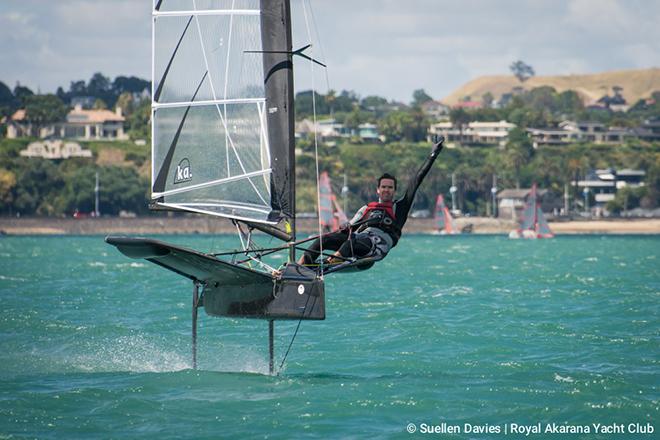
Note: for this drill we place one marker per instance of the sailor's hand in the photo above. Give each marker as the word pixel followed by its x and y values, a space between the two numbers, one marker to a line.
pixel 437 145
pixel 344 226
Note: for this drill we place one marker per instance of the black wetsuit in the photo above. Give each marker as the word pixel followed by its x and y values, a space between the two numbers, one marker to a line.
pixel 372 240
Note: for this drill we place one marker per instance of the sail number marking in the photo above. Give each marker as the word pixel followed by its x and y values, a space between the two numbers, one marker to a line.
pixel 183 172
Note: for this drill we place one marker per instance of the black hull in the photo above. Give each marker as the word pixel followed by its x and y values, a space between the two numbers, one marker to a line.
pixel 229 290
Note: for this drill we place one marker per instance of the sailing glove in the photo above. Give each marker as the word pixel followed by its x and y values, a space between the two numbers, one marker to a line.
pixel 437 147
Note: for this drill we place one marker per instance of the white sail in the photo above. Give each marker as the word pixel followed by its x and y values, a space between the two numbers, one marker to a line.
pixel 210 151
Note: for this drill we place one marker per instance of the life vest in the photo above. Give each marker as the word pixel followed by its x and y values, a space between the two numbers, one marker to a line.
pixel 380 215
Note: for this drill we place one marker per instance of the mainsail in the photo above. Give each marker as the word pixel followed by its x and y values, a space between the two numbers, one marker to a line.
pixel 532 223
pixel 443 219
pixel 223 145
pixel 331 214
pixel 222 109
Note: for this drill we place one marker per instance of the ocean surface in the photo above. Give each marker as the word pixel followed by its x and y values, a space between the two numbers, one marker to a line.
pixel 477 336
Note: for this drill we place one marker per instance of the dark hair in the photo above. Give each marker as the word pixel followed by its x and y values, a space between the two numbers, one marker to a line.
pixel 387 176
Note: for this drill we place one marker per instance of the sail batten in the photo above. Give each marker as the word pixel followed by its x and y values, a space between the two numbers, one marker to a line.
pixel 213 182
pixel 185 13
pixel 209 102
pixel 228 137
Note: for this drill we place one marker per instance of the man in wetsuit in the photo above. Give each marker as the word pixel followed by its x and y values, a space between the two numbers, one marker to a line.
pixel 376 227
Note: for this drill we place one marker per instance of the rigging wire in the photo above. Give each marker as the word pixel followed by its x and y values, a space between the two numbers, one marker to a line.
pixel 318 38
pixel 295 333
pixel 316 145
pixel 318 184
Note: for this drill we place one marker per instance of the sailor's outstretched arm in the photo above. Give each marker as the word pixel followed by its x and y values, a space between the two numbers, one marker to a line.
pixel 406 202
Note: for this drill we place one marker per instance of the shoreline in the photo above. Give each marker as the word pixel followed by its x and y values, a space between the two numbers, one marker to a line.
pixel 203 225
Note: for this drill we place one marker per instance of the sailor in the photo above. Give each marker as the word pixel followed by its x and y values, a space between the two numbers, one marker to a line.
pixel 376 227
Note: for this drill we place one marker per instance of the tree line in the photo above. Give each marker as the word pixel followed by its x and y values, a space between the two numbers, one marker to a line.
pixel 126 92
pixel 43 187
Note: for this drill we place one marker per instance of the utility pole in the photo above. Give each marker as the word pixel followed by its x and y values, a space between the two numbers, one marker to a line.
pixel 344 192
pixel 453 190
pixel 493 191
pixel 566 199
pixel 97 212
pixel 585 191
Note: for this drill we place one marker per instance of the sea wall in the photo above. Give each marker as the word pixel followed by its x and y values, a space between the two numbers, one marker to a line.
pixel 207 225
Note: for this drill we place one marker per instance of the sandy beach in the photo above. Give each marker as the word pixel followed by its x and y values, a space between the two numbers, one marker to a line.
pixel 200 225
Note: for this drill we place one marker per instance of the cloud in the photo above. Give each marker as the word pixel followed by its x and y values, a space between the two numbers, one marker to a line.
pixel 71 39
pixel 374 47
pixel 600 17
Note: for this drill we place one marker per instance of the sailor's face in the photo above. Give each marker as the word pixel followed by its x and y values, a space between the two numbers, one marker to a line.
pixel 386 190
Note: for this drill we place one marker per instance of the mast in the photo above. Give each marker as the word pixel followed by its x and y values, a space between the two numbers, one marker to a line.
pixel 278 80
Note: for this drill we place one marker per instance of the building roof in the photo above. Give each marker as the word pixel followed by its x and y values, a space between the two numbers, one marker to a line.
pixel 558 131
pixel 498 124
pixel 628 172
pixel 468 104
pixel 433 104
pixel 91 116
pixel 19 115
pixel 518 193
pixel 80 115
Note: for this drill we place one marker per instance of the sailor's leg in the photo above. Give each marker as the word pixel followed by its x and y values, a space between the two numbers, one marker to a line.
pixel 331 242
pixel 358 246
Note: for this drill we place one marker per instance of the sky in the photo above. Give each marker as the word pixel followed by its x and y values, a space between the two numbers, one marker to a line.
pixel 387 48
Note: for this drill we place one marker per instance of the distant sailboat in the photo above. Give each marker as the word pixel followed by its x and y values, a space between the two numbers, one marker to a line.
pixel 331 213
pixel 532 223
pixel 443 220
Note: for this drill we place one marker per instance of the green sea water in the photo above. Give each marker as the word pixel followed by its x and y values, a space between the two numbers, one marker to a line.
pixel 470 333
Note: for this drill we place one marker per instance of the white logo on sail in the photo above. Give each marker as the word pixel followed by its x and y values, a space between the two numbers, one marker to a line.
pixel 183 172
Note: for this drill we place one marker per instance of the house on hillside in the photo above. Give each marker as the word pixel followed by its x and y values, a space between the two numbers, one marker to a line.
pixel 603 184
pixel 94 124
pixel 18 126
pixel 511 202
pixel 329 130
pixel 79 124
pixel 569 132
pixel 596 132
pixel 649 130
pixel 435 109
pixel 468 105
pixel 552 136
pixel 474 133
pixel 616 103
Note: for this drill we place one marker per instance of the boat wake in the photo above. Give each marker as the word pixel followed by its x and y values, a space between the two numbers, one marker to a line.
pixel 135 353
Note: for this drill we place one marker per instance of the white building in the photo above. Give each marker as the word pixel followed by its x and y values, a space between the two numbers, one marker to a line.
pixel 476 133
pixel 55 149
pixel 570 132
pixel 79 124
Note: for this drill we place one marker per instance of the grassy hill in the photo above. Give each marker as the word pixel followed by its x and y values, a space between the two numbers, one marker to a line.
pixel 637 84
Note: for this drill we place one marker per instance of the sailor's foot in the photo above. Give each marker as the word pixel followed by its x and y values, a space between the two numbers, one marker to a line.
pixel 304 261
